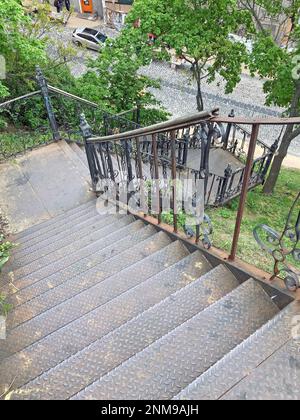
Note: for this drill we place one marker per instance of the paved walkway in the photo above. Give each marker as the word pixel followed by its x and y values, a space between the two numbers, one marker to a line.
pixel 40 185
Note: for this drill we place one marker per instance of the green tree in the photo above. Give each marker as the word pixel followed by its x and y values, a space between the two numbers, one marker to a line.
pixel 278 61
pixel 24 44
pixel 20 51
pixel 197 30
pixel 114 81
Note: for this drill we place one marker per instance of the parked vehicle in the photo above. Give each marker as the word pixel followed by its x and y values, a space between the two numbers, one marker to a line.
pixel 89 38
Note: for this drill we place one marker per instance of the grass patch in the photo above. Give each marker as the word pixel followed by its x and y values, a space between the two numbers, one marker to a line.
pixel 271 210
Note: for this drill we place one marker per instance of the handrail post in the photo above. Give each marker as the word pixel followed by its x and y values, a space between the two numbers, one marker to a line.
pixel 86 132
pixel 47 101
pixel 247 174
pixel 273 150
pixel 227 175
pixel 174 179
pixel 156 174
pixel 228 130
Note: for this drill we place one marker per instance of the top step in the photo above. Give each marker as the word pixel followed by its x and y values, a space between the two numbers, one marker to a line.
pixel 56 221
pixel 175 360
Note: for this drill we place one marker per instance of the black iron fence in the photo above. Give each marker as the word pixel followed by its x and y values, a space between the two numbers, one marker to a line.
pixel 24 125
pixel 50 114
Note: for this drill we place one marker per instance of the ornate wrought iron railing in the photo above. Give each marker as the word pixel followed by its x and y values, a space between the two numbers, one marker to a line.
pixel 283 247
pixel 235 140
pixel 56 114
pixel 155 157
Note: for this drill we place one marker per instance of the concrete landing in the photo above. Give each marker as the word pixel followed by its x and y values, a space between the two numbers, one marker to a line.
pixel 42 184
pixel 218 161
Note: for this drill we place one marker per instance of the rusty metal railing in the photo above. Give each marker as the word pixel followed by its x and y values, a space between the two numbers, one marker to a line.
pixel 107 152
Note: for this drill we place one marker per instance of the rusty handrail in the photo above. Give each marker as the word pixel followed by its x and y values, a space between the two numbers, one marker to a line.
pixel 20 98
pixel 178 123
pixel 257 121
pixel 159 128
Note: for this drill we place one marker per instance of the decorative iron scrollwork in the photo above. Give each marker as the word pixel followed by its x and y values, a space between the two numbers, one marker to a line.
pixel 283 246
pixel 205 231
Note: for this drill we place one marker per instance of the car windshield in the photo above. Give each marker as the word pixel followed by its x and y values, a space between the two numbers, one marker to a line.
pixel 101 37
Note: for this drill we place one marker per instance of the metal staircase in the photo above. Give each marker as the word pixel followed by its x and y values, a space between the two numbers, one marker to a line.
pixel 133 314
pixel 114 304
pixel 109 307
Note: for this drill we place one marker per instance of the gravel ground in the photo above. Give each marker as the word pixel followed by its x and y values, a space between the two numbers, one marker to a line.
pixel 178 90
pixel 178 94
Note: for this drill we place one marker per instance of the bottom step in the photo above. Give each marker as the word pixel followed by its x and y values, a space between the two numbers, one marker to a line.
pixel 245 358
pixel 174 361
pixel 95 361
pixel 278 378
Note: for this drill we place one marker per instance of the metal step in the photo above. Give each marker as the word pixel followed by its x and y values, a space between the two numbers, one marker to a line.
pixel 244 359
pixel 56 221
pixel 85 272
pixel 84 368
pixel 53 275
pixel 76 226
pixel 72 338
pixel 72 247
pixel 65 227
pixel 64 224
pixel 15 289
pixel 97 223
pixel 53 319
pixel 277 379
pixel 175 360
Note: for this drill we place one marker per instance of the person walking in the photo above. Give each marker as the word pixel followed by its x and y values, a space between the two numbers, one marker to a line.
pixel 68 5
pixel 59 5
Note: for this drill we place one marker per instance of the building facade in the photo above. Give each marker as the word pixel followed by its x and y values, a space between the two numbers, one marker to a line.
pixel 89 7
pixel 115 12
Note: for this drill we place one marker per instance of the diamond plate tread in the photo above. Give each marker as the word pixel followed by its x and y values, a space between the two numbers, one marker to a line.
pixel 84 368
pixel 245 358
pixel 48 224
pixel 51 276
pixel 75 226
pixel 171 363
pixel 49 297
pixel 67 341
pixel 65 226
pixel 55 318
pixel 277 379
pixel 96 224
pixel 52 258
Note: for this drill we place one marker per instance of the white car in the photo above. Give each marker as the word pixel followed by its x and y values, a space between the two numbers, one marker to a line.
pixel 89 38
